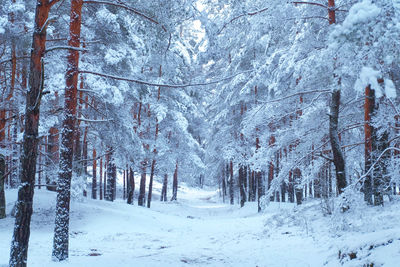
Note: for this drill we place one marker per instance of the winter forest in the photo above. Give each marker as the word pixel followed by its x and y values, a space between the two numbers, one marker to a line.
pixel 199 133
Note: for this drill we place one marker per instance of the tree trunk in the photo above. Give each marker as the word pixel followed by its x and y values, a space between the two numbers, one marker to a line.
pixel 111 178
pixel 338 158
pixel 164 188
pixel 151 183
pixel 61 231
pixel 142 189
pixel 101 179
pixel 242 178
pixel 20 240
pixel 175 184
pixel 231 181
pixel 2 193
pixel 261 190
pixel 94 178
pixel 131 187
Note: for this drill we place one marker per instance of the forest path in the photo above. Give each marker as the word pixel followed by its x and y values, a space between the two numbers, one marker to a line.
pixel 197 230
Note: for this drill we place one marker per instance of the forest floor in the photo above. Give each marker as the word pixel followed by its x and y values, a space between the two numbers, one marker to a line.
pixel 199 230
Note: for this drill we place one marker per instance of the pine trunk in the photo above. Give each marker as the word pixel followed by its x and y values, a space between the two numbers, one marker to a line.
pixel 175 184
pixel 151 183
pixel 231 192
pixel 2 193
pixel 242 178
pixel 164 188
pixel 130 186
pixel 94 175
pixel 142 189
pixel 20 240
pixel 338 158
pixel 61 231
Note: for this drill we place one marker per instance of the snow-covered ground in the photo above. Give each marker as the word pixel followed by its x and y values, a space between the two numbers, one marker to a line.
pixel 199 230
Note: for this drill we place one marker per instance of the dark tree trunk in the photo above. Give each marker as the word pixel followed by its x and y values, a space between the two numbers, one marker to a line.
pixel 175 184
pixel 164 188
pixel 291 188
pixel 111 178
pixel 338 158
pixel 101 180
pixel 2 193
pixel 242 178
pixel 381 179
pixel 261 190
pixel 125 178
pixel 153 163
pixel 142 189
pixel 61 231
pixel 20 240
pixel 231 184
pixel 131 186
pixel 298 186
pixel 94 175
pixel 369 132
pixel 223 177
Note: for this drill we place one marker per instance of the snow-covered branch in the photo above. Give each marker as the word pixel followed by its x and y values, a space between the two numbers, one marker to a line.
pixel 160 84
pixel 65 48
pixel 133 10
pixel 242 15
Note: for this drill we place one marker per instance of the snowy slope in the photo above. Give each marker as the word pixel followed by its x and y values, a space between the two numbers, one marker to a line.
pixel 198 230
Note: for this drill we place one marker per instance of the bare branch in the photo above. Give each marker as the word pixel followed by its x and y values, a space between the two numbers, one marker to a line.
pixel 162 85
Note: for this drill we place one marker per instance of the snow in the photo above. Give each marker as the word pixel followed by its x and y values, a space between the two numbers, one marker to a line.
pixel 362 12
pixel 200 230
pixel 369 76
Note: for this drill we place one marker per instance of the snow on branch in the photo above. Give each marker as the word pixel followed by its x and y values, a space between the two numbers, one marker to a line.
pixel 88 120
pixel 242 15
pixel 296 94
pixel 133 10
pixel 309 3
pixel 162 85
pixel 66 48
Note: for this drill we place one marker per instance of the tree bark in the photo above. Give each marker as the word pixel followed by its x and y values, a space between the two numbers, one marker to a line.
pixel 142 189
pixel 338 158
pixel 175 184
pixel 231 192
pixel 131 187
pixel 20 240
pixel 242 178
pixel 94 175
pixel 164 188
pixel 2 193
pixel 153 163
pixel 61 231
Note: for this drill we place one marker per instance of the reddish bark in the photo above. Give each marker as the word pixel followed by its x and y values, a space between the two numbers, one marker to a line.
pixel 61 232
pixel 19 245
